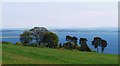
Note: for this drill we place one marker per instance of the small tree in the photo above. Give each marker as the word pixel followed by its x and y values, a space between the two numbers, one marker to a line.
pixel 96 42
pixel 84 46
pixel 103 45
pixel 25 38
pixel 68 45
pixel 51 39
pixel 68 38
pixel 74 40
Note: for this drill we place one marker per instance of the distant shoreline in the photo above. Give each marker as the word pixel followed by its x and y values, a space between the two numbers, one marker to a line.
pixel 9 36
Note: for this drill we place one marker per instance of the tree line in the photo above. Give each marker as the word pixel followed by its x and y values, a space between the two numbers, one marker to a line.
pixel 41 37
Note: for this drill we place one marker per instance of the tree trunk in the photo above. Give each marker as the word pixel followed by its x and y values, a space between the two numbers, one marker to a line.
pixel 97 49
pixel 102 49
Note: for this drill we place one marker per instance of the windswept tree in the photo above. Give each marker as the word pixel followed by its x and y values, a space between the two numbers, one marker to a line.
pixel 68 38
pixel 74 41
pixel 71 42
pixel 68 45
pixel 25 38
pixel 96 42
pixel 99 42
pixel 51 39
pixel 83 43
pixel 38 33
pixel 103 45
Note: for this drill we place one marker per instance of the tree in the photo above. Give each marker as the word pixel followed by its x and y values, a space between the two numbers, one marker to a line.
pixel 25 38
pixel 96 42
pixel 38 33
pixel 74 40
pixel 84 46
pixel 103 45
pixel 71 42
pixel 99 42
pixel 51 39
pixel 60 45
pixel 68 45
pixel 82 41
pixel 68 38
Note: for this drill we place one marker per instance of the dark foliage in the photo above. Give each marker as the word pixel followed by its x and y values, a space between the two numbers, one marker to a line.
pixel 5 42
pixel 51 39
pixel 25 38
pixel 84 46
pixel 37 34
pixel 68 45
pixel 99 42
pixel 60 45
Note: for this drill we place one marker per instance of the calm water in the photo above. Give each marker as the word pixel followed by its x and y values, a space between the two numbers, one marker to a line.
pixel 110 36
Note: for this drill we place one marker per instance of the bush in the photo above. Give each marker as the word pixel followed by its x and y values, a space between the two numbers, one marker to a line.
pixel 5 42
pixel 18 43
pixel 68 45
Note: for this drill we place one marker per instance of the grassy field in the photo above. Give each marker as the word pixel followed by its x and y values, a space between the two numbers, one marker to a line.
pixel 14 54
pixel 0 54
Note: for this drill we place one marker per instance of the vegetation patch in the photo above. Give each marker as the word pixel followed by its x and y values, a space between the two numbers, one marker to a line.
pixel 14 54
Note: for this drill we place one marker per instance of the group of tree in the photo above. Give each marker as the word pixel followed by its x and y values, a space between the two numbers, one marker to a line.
pixel 71 43
pixel 40 36
pixel 99 42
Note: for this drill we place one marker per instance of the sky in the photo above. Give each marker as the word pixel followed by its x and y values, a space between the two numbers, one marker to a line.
pixel 59 14
pixel 59 0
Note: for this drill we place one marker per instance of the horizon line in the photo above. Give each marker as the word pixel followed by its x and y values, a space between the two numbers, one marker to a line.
pixel 67 28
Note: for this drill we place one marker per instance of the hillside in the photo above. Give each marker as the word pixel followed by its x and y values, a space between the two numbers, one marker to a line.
pixel 14 54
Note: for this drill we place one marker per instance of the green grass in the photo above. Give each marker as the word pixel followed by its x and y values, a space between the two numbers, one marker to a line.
pixel 14 54
pixel 0 54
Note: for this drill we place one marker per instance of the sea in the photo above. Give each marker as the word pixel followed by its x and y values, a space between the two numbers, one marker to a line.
pixel 111 36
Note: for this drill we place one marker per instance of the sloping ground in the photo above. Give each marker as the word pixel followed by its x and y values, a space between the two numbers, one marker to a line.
pixel 14 54
pixel 0 54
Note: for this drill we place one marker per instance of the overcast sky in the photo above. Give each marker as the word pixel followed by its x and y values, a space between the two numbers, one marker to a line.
pixel 60 14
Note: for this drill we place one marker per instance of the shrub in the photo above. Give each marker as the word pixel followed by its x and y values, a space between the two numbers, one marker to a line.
pixel 18 43
pixel 5 42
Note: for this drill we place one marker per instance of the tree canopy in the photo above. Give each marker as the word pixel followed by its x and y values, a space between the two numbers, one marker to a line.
pixel 99 42
pixel 37 33
pixel 51 39
pixel 25 38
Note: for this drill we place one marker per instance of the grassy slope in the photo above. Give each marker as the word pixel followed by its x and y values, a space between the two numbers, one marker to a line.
pixel 13 54
pixel 0 54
